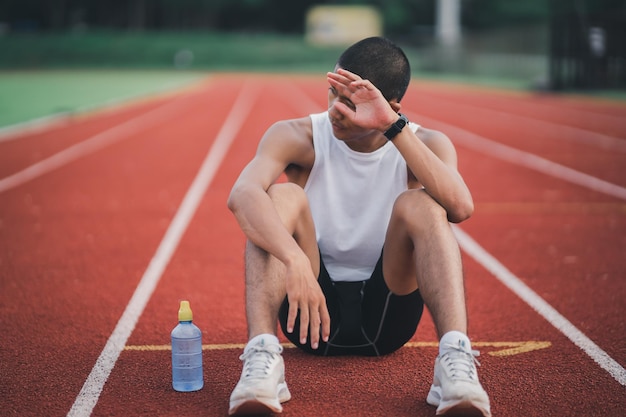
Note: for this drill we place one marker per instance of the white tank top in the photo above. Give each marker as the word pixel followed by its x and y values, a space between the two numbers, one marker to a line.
pixel 351 196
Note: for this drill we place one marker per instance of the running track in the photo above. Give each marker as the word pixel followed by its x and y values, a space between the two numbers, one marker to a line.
pixel 109 219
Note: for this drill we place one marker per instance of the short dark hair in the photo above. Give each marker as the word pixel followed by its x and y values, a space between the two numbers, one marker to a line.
pixel 380 61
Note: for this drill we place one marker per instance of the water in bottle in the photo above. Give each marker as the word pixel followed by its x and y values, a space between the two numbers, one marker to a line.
pixel 186 352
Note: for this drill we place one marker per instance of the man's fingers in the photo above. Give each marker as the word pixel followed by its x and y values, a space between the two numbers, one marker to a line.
pixel 340 78
pixel 341 84
pixel 344 110
pixel 363 84
pixel 304 323
pixel 325 322
pixel 291 317
pixel 315 328
pixel 308 309
pixel 348 75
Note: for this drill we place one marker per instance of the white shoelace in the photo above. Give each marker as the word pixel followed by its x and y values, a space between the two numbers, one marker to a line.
pixel 257 359
pixel 460 362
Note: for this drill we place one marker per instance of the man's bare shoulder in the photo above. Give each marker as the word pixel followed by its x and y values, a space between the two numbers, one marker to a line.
pixel 434 139
pixel 289 143
pixel 430 135
pixel 298 131
pixel 291 139
pixel 440 144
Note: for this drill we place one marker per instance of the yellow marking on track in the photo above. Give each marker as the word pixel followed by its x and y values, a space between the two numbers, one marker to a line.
pixel 511 348
pixel 148 348
pixel 520 347
pixel 154 348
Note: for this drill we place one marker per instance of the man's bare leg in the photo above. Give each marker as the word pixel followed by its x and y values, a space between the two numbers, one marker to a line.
pixel 265 291
pixel 265 275
pixel 421 251
pixel 262 386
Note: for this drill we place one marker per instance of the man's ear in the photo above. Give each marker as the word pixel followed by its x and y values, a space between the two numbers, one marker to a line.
pixel 395 105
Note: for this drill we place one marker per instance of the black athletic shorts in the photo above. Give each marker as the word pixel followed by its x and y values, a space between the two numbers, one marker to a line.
pixel 365 317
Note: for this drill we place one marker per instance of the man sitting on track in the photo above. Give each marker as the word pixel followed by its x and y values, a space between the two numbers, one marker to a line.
pixel 360 179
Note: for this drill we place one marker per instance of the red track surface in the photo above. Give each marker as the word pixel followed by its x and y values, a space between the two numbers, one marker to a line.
pixel 76 241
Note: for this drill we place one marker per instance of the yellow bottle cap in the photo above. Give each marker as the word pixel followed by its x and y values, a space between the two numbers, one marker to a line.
pixel 184 312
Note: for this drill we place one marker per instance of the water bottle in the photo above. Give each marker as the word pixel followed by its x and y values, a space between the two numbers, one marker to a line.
pixel 186 352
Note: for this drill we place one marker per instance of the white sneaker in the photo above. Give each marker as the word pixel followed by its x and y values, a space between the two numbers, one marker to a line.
pixel 262 387
pixel 456 390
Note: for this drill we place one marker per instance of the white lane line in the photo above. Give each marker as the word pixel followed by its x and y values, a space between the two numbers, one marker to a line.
pixel 491 264
pixel 95 143
pixel 13 132
pixel 528 160
pixel 90 393
pixel 565 132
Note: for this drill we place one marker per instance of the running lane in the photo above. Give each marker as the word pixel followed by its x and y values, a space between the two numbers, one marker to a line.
pixel 557 374
pixel 76 241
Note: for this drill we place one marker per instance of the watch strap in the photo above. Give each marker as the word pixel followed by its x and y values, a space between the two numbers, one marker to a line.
pixel 397 127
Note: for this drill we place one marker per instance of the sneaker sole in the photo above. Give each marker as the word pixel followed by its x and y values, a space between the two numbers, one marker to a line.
pixel 250 406
pixel 461 409
pixel 458 408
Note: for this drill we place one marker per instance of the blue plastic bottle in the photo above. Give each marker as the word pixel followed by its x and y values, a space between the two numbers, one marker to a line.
pixel 186 352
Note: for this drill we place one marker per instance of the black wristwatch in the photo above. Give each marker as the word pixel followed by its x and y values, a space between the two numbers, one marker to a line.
pixel 396 127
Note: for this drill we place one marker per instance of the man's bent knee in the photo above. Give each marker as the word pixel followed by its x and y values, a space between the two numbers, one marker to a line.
pixel 288 198
pixel 292 205
pixel 418 207
pixel 287 191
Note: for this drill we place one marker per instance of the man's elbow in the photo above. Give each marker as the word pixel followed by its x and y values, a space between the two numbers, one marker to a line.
pixel 462 211
pixel 241 196
pixel 233 198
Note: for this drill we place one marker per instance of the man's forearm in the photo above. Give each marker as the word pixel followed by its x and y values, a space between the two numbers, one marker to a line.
pixel 260 222
pixel 441 181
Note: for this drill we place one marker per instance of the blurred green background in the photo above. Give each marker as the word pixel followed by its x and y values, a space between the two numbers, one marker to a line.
pixel 538 44
pixel 500 38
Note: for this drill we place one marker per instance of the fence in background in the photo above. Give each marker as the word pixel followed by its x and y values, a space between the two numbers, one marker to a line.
pixel 587 48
